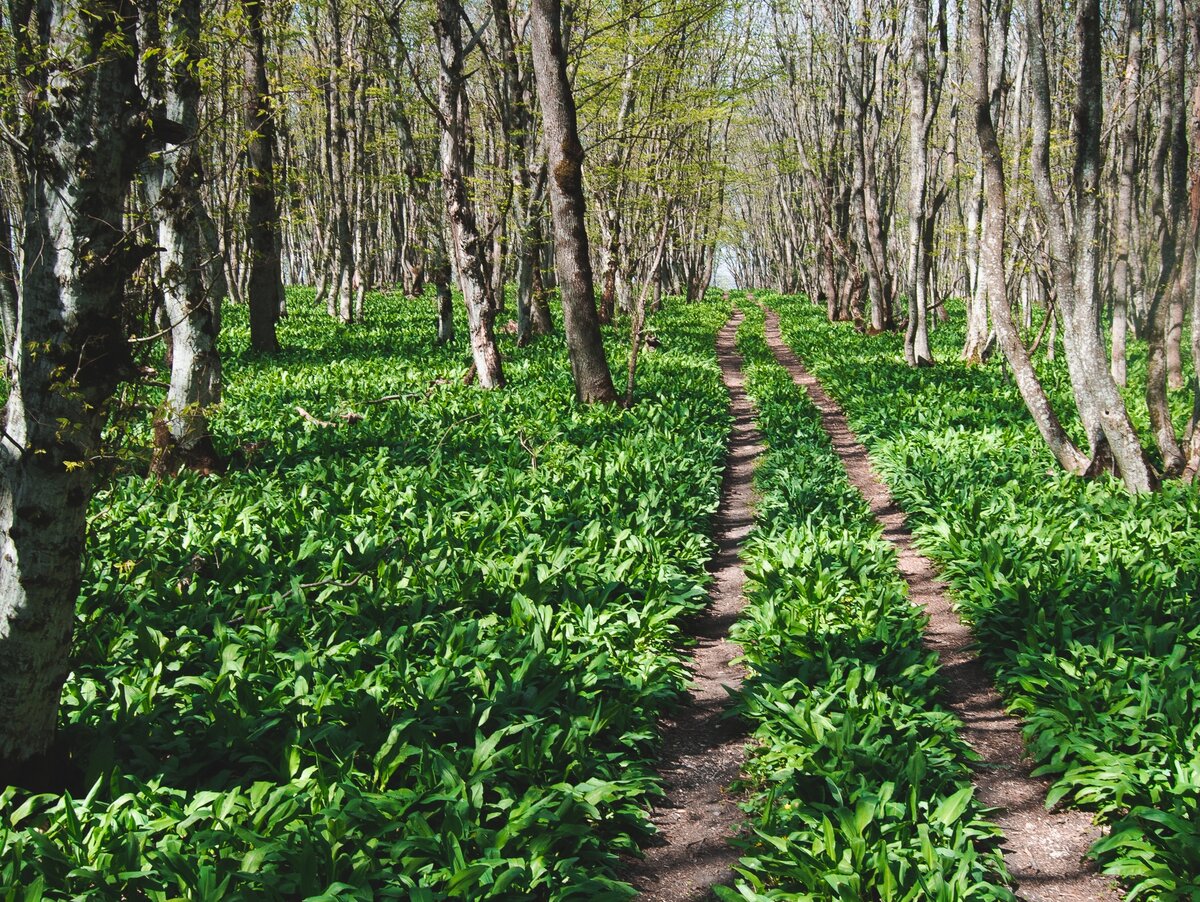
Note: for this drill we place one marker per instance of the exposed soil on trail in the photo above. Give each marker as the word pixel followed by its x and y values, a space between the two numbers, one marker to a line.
pixel 703 750
pixel 1044 850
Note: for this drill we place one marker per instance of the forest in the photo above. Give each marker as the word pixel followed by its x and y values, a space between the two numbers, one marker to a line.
pixel 597 449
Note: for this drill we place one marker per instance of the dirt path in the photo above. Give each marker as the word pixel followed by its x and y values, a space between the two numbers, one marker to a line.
pixel 702 751
pixel 1044 850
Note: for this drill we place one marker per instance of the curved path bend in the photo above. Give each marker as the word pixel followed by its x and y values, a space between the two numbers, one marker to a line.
pixel 1044 850
pixel 703 750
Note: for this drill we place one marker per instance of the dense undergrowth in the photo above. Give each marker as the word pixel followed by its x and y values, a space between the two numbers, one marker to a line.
pixel 415 656
pixel 1083 597
pixel 859 785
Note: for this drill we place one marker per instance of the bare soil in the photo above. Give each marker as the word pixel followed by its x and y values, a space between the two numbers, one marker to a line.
pixel 703 749
pixel 1044 850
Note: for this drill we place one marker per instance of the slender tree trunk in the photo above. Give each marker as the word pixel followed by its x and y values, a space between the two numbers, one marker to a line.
pixel 991 257
pixel 1074 264
pixel 1123 225
pixel 539 303
pixel 1164 315
pixel 440 270
pixel 638 318
pixel 262 217
pixel 589 365
pixel 338 170
pixel 916 338
pixel 1192 245
pixel 458 170
pixel 190 265
pixel 978 302
pixel 70 348
pixel 9 287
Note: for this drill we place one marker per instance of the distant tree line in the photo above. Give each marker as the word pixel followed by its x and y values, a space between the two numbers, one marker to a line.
pixel 1022 157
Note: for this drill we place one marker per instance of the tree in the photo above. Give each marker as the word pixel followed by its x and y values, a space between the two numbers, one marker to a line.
pixel 1131 89
pixel 1073 258
pixel 262 218
pixel 458 171
pixel 916 338
pixel 991 255
pixel 85 133
pixel 191 273
pixel 589 365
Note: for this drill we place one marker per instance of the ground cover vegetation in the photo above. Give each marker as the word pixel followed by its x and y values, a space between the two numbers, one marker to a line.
pixel 1082 596
pixel 859 786
pixel 167 166
pixel 413 655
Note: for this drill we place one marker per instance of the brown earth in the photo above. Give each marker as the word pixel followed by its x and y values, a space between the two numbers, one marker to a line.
pixel 1044 850
pixel 703 749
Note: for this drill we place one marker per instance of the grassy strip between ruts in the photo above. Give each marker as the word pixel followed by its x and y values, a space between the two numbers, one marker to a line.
pixel 1083 597
pixel 859 784
pixel 416 655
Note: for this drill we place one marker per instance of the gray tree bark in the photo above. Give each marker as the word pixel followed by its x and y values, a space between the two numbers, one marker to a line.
pixel 991 258
pixel 916 337
pixel 1131 86
pixel 70 350
pixel 190 265
pixel 458 170
pixel 1073 253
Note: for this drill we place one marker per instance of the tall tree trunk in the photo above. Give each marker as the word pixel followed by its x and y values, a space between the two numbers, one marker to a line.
pixel 539 303
pixel 440 270
pixel 189 263
pixel 991 257
pixel 1131 87
pixel 458 170
pixel 610 217
pixel 1192 245
pixel 262 216
pixel 9 287
pixel 339 170
pixel 70 349
pixel 978 302
pixel 589 365
pixel 1074 263
pixel 430 229
pixel 916 337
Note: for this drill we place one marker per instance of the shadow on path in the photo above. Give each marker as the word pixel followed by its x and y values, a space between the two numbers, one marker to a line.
pixel 1044 850
pixel 703 751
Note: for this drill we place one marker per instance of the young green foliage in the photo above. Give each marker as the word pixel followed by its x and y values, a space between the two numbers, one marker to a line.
pixel 1082 597
pixel 859 784
pixel 416 655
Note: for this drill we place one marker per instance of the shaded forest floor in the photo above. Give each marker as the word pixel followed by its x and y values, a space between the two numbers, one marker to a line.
pixel 422 652
pixel 1083 598
pixel 1044 851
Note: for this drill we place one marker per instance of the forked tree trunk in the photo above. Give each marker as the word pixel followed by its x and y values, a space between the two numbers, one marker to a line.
pixel 589 365
pixel 1074 263
pixel 458 171
pixel 991 258
pixel 262 214
pixel 192 275
pixel 70 350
